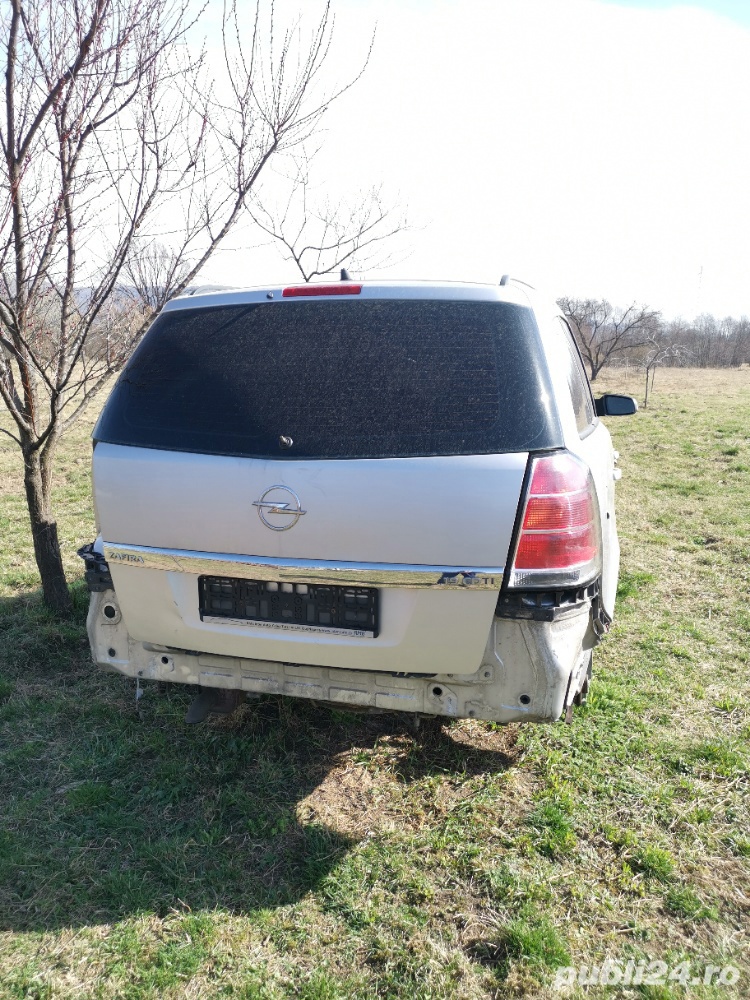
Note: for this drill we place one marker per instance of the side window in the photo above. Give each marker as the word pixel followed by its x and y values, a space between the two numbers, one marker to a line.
pixel 578 383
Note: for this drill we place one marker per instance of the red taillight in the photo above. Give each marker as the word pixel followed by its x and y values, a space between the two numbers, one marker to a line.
pixel 304 291
pixel 559 541
pixel 555 549
pixel 558 512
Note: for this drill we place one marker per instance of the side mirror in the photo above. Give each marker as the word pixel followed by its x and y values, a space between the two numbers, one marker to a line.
pixel 612 405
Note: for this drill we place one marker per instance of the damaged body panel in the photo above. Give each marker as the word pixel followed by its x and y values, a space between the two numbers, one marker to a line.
pixel 524 675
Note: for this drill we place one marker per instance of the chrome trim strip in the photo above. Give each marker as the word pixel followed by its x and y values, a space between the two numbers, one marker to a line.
pixel 273 569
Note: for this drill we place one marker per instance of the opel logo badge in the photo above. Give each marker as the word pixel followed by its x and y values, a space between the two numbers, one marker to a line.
pixel 279 508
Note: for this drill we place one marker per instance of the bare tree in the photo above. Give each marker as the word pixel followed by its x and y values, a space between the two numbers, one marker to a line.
pixel 152 273
pixel 320 237
pixel 604 332
pixel 122 160
pixel 659 353
pixel 740 338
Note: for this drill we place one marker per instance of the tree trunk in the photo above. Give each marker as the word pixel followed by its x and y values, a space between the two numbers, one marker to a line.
pixel 44 533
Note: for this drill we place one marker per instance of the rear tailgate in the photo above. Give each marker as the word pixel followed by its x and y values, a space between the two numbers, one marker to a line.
pixel 426 524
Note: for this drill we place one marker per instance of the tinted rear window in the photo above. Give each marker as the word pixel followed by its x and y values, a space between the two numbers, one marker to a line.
pixel 344 379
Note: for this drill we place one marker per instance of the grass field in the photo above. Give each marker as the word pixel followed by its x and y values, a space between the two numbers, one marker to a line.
pixel 295 852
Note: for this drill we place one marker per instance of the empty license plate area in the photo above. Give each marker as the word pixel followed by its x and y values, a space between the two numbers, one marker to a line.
pixel 290 606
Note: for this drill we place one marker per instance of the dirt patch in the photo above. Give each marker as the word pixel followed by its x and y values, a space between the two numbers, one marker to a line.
pixel 388 785
pixel 347 801
pixel 477 736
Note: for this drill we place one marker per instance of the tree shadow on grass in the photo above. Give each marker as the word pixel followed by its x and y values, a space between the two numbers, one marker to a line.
pixel 112 808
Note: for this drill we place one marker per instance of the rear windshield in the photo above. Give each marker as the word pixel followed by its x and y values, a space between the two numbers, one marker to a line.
pixel 341 379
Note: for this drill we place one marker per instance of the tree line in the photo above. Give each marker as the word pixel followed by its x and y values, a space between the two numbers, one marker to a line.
pixel 640 335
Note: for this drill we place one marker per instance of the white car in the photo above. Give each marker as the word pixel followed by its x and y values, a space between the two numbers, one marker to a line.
pixel 380 496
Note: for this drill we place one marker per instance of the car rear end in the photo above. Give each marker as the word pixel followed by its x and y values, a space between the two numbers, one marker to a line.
pixel 358 494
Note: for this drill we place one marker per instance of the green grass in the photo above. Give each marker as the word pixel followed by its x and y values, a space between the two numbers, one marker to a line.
pixel 290 851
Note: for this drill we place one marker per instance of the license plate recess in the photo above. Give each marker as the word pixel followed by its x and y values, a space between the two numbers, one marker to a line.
pixel 292 606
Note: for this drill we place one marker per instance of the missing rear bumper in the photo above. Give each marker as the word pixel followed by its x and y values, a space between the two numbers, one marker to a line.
pixel 530 670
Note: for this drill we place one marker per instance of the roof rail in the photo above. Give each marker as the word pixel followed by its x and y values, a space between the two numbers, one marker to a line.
pixel 202 289
pixel 507 280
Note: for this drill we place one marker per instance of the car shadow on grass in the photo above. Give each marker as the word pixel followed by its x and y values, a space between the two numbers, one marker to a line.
pixel 113 807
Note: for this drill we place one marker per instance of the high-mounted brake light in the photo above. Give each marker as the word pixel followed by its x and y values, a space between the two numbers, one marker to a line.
pixel 305 291
pixel 559 541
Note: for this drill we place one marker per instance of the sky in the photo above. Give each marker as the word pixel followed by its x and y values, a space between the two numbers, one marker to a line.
pixel 590 147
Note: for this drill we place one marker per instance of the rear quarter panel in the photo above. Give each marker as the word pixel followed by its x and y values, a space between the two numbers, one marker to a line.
pixel 594 448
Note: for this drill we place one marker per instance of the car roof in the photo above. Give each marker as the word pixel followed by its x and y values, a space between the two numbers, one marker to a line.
pixel 212 296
